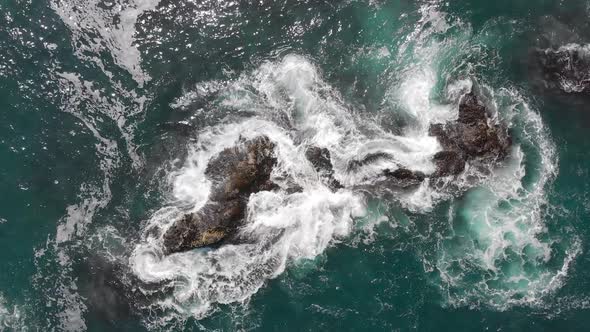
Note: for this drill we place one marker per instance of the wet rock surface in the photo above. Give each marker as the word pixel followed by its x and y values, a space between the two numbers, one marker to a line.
pixel 237 173
pixel 470 138
pixel 402 178
pixel 320 158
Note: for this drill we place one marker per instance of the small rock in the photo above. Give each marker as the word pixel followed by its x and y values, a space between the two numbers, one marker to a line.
pixel 321 160
pixel 403 178
pixel 469 138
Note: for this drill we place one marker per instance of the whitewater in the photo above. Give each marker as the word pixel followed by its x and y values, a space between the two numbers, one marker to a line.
pixel 288 101
pixel 123 105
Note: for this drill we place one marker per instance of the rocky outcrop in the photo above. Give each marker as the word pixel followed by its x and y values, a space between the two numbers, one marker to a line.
pixel 240 171
pixel 236 173
pixel 470 138
pixel 448 163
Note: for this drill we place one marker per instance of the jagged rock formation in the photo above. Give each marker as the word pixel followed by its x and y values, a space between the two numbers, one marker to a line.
pixel 402 178
pixel 470 138
pixel 236 173
pixel 321 160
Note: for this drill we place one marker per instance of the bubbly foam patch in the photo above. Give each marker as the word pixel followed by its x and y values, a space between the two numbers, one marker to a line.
pixel 582 54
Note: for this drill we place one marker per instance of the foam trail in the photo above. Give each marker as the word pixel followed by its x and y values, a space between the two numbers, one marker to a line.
pixel 93 196
pixel 87 19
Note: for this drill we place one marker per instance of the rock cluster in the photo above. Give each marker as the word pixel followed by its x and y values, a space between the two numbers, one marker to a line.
pixel 246 169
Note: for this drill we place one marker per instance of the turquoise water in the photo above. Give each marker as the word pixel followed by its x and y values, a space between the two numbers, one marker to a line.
pixel 107 107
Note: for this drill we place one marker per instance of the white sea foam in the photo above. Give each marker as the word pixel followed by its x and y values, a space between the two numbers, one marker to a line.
pixel 284 227
pixel 293 89
pixel 10 317
pixel 498 253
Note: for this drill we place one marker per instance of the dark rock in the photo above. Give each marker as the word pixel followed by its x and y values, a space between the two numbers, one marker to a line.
pixel 368 159
pixel 237 173
pixel 471 111
pixel 469 138
pixel 242 170
pixel 403 178
pixel 321 160
pixel 400 178
pixel 448 163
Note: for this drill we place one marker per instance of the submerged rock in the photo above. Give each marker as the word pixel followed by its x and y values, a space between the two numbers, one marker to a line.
pixel 102 283
pixel 566 68
pixel 471 137
pixel 237 173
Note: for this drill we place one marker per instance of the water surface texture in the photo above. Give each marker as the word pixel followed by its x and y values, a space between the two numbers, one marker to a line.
pixel 110 111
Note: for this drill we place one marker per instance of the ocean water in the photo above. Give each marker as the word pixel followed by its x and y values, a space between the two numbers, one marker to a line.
pixel 110 111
